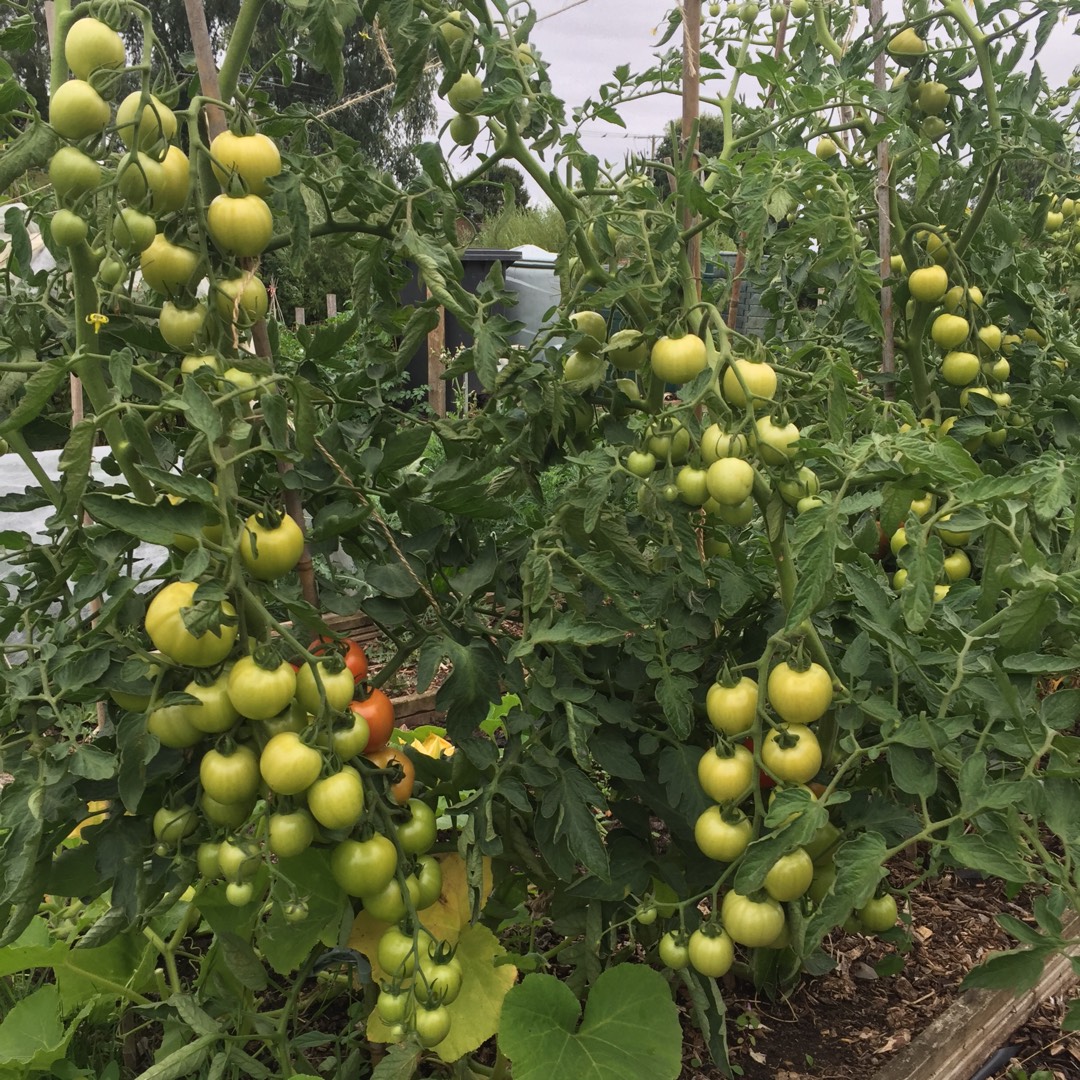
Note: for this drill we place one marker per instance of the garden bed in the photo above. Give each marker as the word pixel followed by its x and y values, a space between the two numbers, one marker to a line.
pixel 852 1024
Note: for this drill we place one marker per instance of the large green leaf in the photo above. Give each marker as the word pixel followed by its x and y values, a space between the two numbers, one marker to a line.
pixel 630 1030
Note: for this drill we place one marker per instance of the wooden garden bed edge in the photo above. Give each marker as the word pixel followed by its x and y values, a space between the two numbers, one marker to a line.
pixel 964 1037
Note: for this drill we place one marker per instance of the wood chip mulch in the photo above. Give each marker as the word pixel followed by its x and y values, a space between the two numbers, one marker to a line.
pixel 847 1024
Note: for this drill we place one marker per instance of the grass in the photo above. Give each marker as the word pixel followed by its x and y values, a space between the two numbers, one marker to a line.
pixel 545 228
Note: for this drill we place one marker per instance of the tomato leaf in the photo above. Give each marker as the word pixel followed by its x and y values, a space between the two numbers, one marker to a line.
pixel 1017 970
pixel 913 770
pixel 37 391
pixel 400 1063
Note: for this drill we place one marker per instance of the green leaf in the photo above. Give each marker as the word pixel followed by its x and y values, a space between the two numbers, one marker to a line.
pixel 403 448
pixel 994 855
pixel 1029 615
pixel 817 569
pixel 474 683
pixel 399 1064
pixel 75 462
pixel 630 1029
pixel 37 391
pixel 156 524
pixel 200 410
pixel 32 1035
pixel 1017 970
pixel 914 771
pixel 286 945
pixel 184 1062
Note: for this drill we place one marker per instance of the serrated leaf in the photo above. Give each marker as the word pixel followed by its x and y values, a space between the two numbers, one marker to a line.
pixel 1017 970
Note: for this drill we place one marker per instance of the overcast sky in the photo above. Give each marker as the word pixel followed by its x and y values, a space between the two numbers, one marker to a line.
pixel 583 41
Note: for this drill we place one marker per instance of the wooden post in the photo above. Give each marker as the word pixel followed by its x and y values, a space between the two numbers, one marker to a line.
pixel 881 191
pixel 331 305
pixel 691 108
pixel 436 344
pixel 300 316
pixel 206 65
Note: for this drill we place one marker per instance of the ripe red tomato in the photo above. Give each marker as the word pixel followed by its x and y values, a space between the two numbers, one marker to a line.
pixel 352 652
pixel 378 711
pixel 390 757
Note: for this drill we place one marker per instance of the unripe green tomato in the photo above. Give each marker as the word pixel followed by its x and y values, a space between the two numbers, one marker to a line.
pixel 692 484
pixel 67 229
pixel 133 231
pixel 73 173
pixel 206 858
pixel 156 122
pixel 879 914
pixel 466 94
pixel 239 893
pixel 173 824
pixel 77 110
pixel 464 128
pixel 91 45
pixel 646 913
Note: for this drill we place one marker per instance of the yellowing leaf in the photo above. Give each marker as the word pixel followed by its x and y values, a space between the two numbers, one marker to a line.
pixel 474 1014
pixel 445 919
pixel 433 746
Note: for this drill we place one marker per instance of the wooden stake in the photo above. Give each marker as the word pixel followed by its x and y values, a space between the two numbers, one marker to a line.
pixel 881 191
pixel 436 344
pixel 206 65
pixel 691 109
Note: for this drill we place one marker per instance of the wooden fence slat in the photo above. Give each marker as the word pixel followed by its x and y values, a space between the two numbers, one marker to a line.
pixel 978 1023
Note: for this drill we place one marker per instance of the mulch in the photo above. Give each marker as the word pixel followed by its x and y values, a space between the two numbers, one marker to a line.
pixel 847 1024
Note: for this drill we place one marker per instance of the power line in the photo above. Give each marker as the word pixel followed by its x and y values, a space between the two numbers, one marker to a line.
pixel 552 14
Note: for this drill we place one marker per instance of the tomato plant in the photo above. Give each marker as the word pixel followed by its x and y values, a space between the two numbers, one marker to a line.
pixel 562 562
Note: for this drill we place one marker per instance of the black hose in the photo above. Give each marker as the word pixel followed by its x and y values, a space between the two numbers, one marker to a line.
pixel 1002 1057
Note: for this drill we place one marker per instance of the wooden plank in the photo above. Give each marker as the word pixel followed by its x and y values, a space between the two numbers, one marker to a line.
pixel 436 344
pixel 964 1037
pixel 300 316
pixel 331 305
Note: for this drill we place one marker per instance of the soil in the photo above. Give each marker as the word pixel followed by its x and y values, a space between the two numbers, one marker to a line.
pixel 846 1025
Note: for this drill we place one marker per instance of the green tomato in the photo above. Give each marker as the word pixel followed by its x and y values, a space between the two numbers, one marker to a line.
pixel 337 800
pixel 748 382
pixel 674 950
pixel 800 696
pixel 73 173
pixel 790 876
pixel 288 765
pixel 290 834
pixel 363 867
pixel 726 778
pixel 215 712
pixel 678 359
pixel 641 463
pixel 173 824
pixel 240 225
pixel 711 953
pixel 723 835
pixel 879 914
pixel 261 685
pixel 231 777
pixel 417 832
pixel 791 753
pixel 754 923
pixel 337 685
pixel 731 709
pixel 270 549
pixel 67 229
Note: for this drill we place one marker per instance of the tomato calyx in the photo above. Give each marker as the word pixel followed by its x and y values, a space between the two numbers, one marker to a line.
pixel 351 653
pixel 267 656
